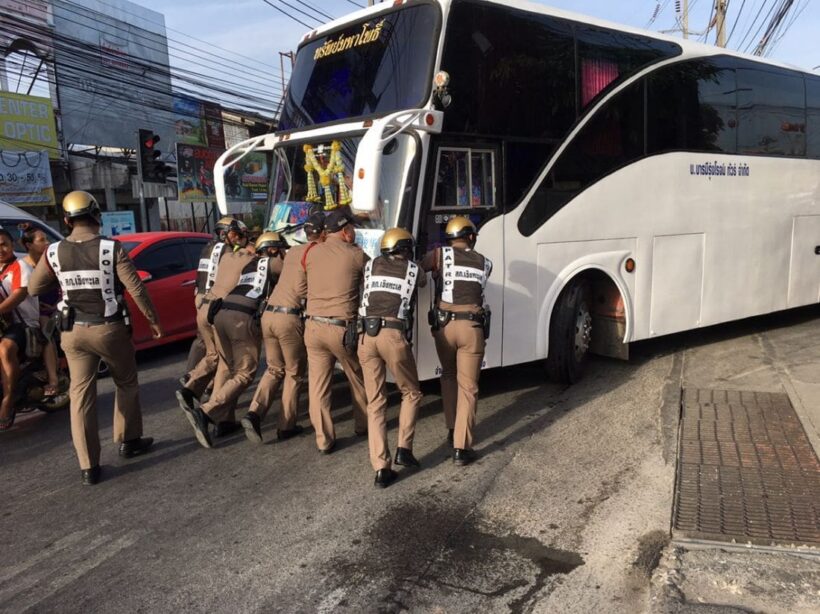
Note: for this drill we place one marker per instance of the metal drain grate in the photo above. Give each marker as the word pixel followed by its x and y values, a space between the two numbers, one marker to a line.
pixel 746 471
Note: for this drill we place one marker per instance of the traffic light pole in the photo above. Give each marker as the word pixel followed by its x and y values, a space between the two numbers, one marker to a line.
pixel 143 209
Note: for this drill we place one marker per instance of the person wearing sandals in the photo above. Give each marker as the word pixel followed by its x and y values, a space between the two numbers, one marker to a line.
pixel 18 310
pixel 35 242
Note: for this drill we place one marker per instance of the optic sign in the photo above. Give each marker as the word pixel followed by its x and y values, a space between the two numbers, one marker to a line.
pixel 347 41
pixel 27 124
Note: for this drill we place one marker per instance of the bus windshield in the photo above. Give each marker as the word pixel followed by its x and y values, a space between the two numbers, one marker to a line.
pixel 297 192
pixel 370 67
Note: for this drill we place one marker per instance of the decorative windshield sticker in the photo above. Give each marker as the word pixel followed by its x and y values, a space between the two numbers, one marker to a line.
pixel 719 169
pixel 347 41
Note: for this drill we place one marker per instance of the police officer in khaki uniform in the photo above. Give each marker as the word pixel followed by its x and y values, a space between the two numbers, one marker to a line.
pixel 283 332
pixel 386 311
pixel 460 274
pixel 334 275
pixel 207 369
pixel 206 273
pixel 236 326
pixel 92 272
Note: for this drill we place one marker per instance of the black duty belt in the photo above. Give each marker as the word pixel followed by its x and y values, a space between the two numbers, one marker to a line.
pixel 333 321
pixel 288 310
pixel 240 308
pixel 402 326
pixel 463 315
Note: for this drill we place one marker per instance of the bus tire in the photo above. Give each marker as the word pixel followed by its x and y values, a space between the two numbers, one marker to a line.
pixel 570 334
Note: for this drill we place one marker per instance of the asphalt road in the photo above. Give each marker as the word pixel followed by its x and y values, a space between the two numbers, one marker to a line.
pixel 566 510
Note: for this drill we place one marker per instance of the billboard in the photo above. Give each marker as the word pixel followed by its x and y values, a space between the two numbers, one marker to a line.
pixel 195 173
pixel 247 180
pixel 111 60
pixel 189 121
pixel 25 178
pixel 27 124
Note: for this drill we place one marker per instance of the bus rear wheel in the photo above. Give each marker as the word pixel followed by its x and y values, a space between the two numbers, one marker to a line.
pixel 570 334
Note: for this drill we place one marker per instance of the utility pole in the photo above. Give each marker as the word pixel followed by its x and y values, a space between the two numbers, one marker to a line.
pixel 720 22
pixel 684 20
pixel 282 56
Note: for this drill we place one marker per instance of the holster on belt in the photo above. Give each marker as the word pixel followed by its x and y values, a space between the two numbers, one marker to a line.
pixel 67 315
pixel 351 336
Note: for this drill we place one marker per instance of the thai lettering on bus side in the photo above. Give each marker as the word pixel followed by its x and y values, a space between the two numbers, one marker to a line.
pixel 718 169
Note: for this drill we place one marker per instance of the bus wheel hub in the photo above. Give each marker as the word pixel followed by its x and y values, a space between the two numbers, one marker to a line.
pixel 583 331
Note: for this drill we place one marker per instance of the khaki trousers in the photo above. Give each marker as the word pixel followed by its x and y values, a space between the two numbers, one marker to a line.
pixel 196 353
pixel 285 355
pixel 389 349
pixel 460 347
pixel 206 369
pixel 324 347
pixel 236 342
pixel 84 347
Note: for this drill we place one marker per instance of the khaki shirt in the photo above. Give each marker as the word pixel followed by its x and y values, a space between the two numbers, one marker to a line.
pixel 229 272
pixel 43 278
pixel 291 289
pixel 334 277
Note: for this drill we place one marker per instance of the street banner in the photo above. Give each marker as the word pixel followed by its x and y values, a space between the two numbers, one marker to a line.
pixel 27 124
pixel 116 223
pixel 214 131
pixel 195 173
pixel 189 123
pixel 248 179
pixel 25 178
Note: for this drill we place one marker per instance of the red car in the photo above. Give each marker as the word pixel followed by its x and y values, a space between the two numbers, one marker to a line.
pixel 167 263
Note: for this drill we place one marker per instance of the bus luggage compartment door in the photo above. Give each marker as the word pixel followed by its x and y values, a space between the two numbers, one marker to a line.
pixel 804 272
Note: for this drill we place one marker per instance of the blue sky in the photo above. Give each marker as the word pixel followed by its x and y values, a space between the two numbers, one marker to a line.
pixel 256 30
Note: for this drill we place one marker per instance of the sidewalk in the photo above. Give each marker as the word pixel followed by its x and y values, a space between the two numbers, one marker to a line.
pixel 778 355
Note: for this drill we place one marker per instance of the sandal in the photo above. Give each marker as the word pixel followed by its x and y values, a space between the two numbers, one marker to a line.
pixel 7 423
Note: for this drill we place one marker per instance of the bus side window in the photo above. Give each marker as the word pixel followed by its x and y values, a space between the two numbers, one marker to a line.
pixel 813 117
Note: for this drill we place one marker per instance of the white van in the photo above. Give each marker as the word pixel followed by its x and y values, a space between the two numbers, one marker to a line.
pixel 10 219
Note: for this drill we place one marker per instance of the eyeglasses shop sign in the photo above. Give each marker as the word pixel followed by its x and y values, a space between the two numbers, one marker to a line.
pixel 27 124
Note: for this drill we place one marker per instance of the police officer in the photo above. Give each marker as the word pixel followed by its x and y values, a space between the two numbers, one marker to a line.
pixel 206 272
pixel 207 370
pixel 334 275
pixel 459 321
pixel 92 272
pixel 237 329
pixel 282 332
pixel 386 311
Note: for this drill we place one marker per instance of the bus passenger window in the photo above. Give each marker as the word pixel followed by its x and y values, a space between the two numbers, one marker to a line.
pixel 813 117
pixel 771 112
pixel 465 178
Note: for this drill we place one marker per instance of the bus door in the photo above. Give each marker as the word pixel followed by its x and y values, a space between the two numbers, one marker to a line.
pixel 463 178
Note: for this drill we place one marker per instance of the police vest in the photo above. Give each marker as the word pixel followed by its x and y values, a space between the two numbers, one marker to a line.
pixel 463 276
pixel 253 282
pixel 388 288
pixel 86 275
pixel 208 266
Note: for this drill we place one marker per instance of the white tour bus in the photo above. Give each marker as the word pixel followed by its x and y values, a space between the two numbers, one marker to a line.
pixel 625 184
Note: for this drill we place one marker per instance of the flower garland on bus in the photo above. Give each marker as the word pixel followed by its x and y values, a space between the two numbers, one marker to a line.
pixel 335 166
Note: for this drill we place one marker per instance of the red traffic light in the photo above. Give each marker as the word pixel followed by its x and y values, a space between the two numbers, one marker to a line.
pixel 151 141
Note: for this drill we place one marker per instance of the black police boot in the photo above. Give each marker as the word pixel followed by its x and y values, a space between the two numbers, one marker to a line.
pixel 91 476
pixel 288 433
pixel 135 447
pixel 223 429
pixel 385 477
pixel 450 436
pixel 463 456
pixel 405 458
pixel 201 428
pixel 252 424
